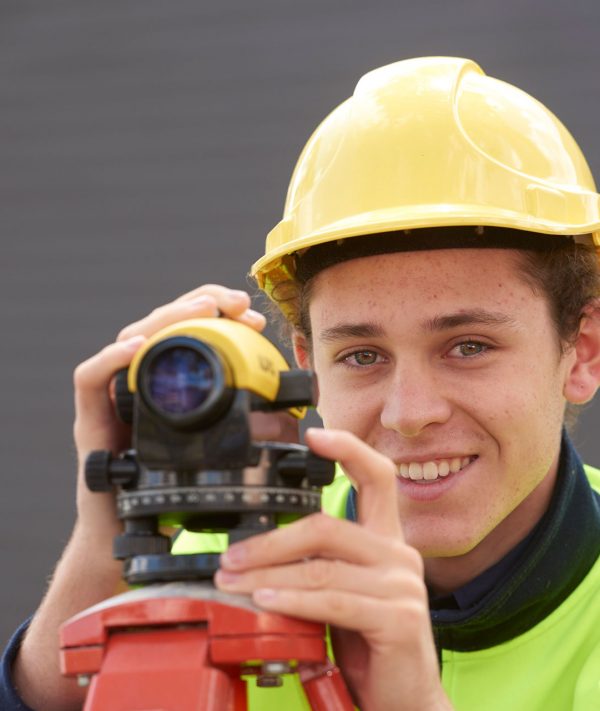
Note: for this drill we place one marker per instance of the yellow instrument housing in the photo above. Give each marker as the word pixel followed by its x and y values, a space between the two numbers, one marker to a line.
pixel 254 362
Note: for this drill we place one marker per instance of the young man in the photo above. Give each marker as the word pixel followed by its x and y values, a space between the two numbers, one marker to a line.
pixel 436 263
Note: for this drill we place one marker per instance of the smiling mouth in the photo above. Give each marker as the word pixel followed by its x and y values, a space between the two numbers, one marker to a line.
pixel 426 472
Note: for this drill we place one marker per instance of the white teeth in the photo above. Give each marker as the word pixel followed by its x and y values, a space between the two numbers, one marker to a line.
pixel 429 471
pixel 444 468
pixel 415 471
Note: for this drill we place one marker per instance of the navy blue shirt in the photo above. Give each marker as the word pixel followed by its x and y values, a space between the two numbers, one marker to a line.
pixel 9 699
pixel 475 590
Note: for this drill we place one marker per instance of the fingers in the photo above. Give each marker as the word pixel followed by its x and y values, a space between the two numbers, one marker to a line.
pixel 209 300
pixel 374 541
pixel 94 410
pixel 373 474
pixel 91 376
pixel 317 535
pixel 322 574
pixel 232 299
pixel 233 303
pixel 96 427
pixel 341 608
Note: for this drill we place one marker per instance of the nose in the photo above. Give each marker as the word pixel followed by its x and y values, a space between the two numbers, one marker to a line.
pixel 414 401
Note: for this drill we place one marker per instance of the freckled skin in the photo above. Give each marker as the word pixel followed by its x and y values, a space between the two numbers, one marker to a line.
pixel 423 395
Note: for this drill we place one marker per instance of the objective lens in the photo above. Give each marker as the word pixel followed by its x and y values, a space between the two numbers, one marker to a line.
pixel 180 380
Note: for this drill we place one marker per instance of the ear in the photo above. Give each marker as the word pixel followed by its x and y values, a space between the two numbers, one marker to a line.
pixel 302 354
pixel 583 377
pixel 301 350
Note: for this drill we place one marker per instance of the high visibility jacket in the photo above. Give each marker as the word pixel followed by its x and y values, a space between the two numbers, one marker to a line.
pixel 523 663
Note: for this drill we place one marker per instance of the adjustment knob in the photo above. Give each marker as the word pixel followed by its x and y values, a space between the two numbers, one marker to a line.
pixel 292 467
pixel 97 470
pixel 103 471
pixel 301 463
pixel 319 471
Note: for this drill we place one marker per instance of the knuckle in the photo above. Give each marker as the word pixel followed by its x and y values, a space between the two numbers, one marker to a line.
pixel 320 526
pixel 216 292
pixel 407 555
pixel 415 588
pixel 409 615
pixel 158 312
pixel 398 548
pixel 80 374
pixel 393 579
pixel 342 606
pixel 126 332
pixel 415 612
pixel 389 467
pixel 415 560
pixel 319 573
pixel 400 582
pixel 386 469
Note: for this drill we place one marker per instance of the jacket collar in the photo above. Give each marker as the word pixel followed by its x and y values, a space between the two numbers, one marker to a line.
pixel 544 568
pixel 554 560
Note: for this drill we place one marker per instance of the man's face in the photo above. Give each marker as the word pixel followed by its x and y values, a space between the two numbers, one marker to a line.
pixel 448 363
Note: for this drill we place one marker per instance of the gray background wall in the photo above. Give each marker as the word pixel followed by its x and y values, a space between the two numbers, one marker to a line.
pixel 145 147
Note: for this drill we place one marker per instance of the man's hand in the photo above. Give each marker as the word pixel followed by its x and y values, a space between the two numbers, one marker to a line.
pixel 87 572
pixel 96 424
pixel 362 579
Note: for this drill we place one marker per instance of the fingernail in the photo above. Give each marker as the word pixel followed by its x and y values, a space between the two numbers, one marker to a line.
pixel 265 596
pixel 319 432
pixel 235 296
pixel 226 577
pixel 234 556
pixel 254 316
pixel 133 343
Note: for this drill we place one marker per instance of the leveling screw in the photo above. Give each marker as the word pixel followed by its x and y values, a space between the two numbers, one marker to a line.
pixel 270 675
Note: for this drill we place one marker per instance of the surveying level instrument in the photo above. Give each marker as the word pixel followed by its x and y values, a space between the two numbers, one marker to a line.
pixel 176 643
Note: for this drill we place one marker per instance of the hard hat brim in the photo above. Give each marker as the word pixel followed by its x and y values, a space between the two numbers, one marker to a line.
pixel 415 217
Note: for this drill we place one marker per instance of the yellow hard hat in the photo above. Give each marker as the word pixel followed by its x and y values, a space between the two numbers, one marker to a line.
pixel 432 142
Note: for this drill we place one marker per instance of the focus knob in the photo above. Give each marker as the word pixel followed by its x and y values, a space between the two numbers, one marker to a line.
pixel 303 463
pixel 103 471
pixel 319 471
pixel 97 470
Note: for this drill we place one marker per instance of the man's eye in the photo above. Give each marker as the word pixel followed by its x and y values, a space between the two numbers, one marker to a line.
pixel 361 358
pixel 469 349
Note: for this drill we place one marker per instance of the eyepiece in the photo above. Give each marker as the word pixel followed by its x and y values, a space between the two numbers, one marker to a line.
pixel 179 380
pixel 184 381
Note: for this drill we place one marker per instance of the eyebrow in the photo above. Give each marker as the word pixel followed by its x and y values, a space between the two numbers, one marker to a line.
pixel 473 317
pixel 351 330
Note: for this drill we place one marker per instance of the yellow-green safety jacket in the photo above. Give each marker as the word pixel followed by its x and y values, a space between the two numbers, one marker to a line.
pixel 533 643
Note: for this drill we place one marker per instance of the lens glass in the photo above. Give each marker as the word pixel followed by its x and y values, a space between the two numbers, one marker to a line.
pixel 180 380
